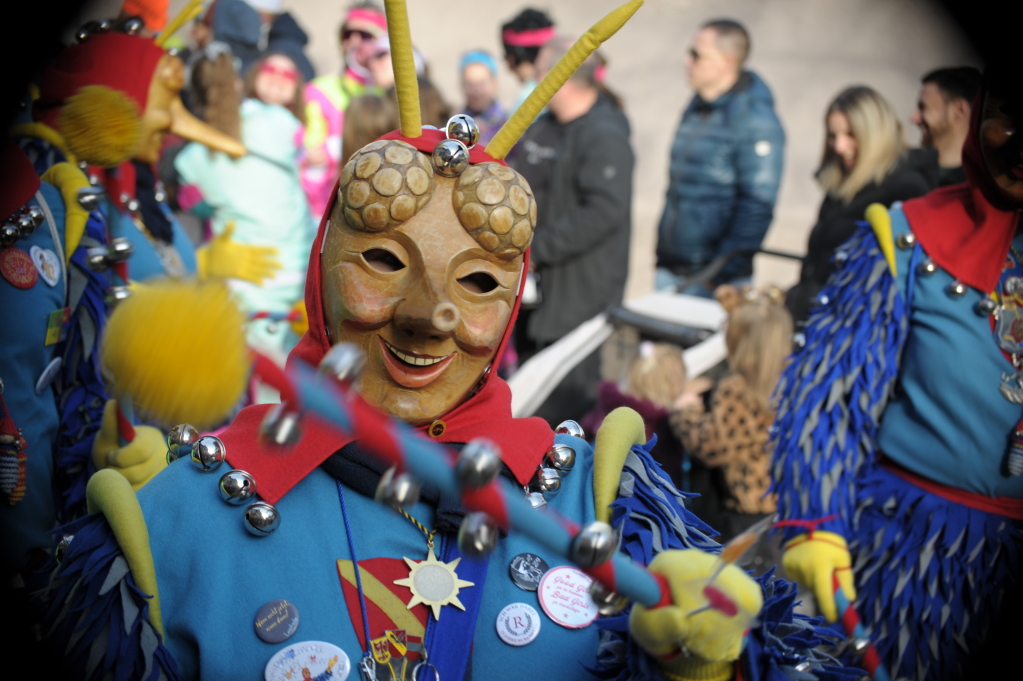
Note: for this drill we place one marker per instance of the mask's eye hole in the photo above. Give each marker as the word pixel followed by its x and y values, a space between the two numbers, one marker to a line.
pixel 478 282
pixel 383 261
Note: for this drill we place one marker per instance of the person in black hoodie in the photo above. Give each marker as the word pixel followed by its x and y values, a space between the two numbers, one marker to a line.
pixel 865 161
pixel 578 161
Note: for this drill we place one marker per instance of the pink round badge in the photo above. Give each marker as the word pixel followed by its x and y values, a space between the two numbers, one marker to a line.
pixel 565 596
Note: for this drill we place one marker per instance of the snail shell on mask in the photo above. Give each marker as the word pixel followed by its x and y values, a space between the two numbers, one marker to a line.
pixel 389 181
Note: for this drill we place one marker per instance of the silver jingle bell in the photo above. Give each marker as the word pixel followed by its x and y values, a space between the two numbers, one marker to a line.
pixel 570 428
pixel 956 289
pixel 841 256
pixel 116 294
pixel 261 519
pixel 83 34
pixel 822 299
pixel 208 454
pixel 537 501
pixel 478 534
pixel 593 545
pixel 62 547
pixel 906 240
pixel 927 267
pixel 985 307
pixel 344 362
pixel 119 250
pixel 237 487
pixel 37 215
pixel 104 25
pixel 464 129
pixel 180 440
pixel 26 225
pixel 98 258
pixel 397 489
pixel 547 482
pixel 858 645
pixel 90 197
pixel 9 235
pixel 450 158
pixel 560 457
pixel 479 463
pixel 133 25
pixel 281 426
pixel 608 602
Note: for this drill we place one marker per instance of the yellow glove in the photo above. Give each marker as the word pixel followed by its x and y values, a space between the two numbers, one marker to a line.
pixel 812 562
pixel 710 640
pixel 139 460
pixel 224 258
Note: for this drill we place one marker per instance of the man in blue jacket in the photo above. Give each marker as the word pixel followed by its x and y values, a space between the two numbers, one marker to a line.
pixel 726 162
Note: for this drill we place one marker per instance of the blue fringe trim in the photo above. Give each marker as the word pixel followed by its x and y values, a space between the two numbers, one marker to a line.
pixel 833 392
pixel 930 575
pixel 651 517
pixel 95 619
pixel 82 393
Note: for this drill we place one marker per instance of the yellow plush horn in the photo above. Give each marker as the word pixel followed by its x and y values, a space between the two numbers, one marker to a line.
pixel 406 85
pixel 190 11
pixel 523 117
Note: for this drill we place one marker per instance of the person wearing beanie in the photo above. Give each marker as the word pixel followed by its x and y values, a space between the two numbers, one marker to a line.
pixel 478 70
pixel 328 96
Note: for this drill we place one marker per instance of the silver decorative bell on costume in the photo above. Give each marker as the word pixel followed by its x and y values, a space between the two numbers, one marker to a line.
pixel 450 158
pixel 560 457
pixel 927 267
pixel 593 545
pixel 479 463
pixel 120 249
pixel 116 294
pixel 133 25
pixel 858 645
pixel 608 602
pixel 546 481
pixel 9 235
pixel 841 256
pixel 344 362
pixel 261 519
pixel 208 453
pixel 537 501
pixel 464 129
pixel 179 441
pixel 62 547
pixel 985 307
pixel 906 240
pixel 478 534
pixel 398 489
pixel 570 428
pixel 956 289
pixel 281 426
pixel 823 299
pixel 237 487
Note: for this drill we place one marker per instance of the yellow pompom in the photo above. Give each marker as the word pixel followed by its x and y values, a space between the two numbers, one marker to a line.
pixel 101 126
pixel 178 349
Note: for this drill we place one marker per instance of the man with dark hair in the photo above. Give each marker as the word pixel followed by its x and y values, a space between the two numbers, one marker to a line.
pixel 726 163
pixel 943 116
pixel 522 38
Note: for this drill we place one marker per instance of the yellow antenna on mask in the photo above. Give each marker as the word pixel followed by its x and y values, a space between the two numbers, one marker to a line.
pixel 523 117
pixel 191 11
pixel 406 85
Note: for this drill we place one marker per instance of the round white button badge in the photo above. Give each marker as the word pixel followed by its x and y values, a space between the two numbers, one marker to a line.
pixel 565 596
pixel 316 657
pixel 518 624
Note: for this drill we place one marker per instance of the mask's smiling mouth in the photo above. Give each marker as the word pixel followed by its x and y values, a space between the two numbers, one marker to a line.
pixel 410 369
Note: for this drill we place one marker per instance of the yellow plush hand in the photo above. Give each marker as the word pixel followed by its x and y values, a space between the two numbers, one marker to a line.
pixel 139 460
pixel 812 562
pixel 710 639
pixel 224 258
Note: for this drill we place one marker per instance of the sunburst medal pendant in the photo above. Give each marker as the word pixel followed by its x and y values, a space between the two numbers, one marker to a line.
pixel 433 583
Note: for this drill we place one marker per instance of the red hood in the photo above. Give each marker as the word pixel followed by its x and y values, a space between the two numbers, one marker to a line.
pixel 967 228
pixel 487 413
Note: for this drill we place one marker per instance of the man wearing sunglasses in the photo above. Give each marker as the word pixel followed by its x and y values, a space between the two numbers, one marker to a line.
pixel 726 164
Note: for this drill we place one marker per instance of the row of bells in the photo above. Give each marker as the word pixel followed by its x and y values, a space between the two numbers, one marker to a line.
pixel 956 289
pixel 451 156
pixel 20 225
